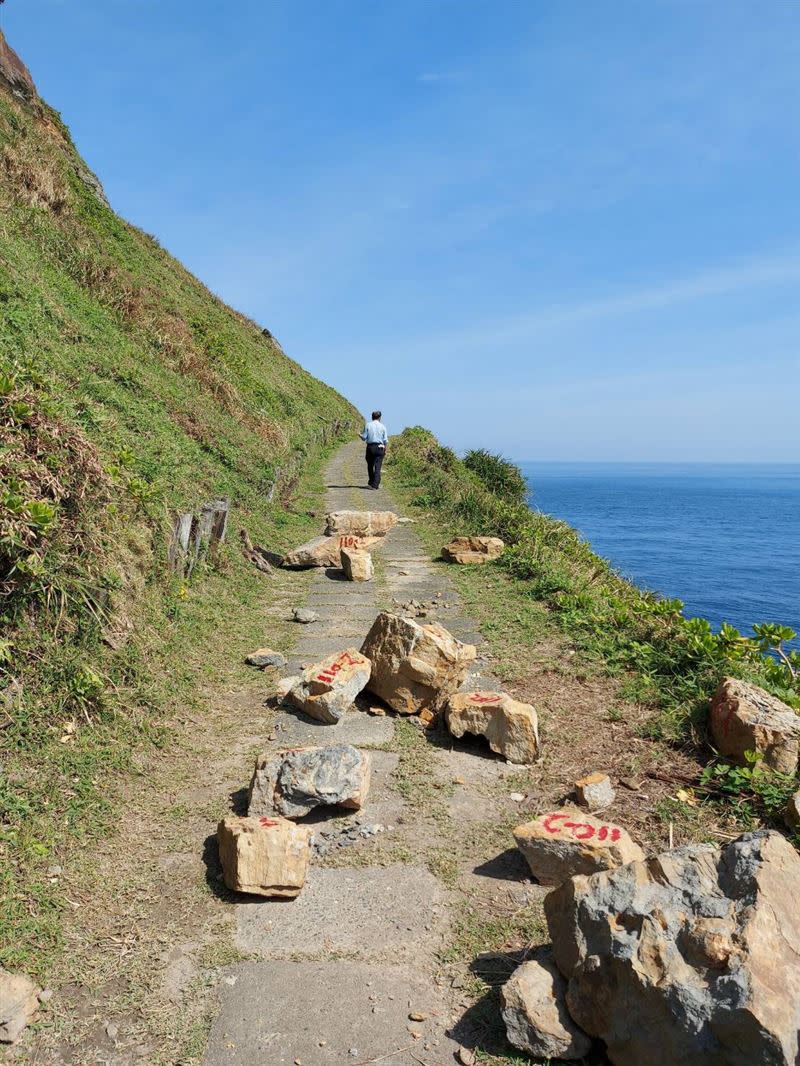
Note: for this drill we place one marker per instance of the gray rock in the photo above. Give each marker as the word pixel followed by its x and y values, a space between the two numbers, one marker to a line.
pixel 293 783
pixel 19 1004
pixel 304 615
pixel 745 718
pixel 535 1012
pixel 265 657
pixel 695 953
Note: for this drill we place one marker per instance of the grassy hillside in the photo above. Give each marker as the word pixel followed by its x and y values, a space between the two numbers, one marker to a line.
pixel 128 391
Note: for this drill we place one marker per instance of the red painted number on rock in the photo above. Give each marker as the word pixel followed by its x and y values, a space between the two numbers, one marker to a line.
pixel 485 697
pixel 330 672
pixel 580 830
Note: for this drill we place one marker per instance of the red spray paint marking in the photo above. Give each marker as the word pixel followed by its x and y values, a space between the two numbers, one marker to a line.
pixel 267 823
pixel 330 672
pixel 579 830
pixel 484 697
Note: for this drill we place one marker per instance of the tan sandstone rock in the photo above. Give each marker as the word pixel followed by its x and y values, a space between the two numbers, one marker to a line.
pixel 746 718
pixel 325 551
pixel 415 667
pixel 511 728
pixel 690 957
pixel 535 1012
pixel 467 550
pixel 791 815
pixel 561 844
pixel 265 856
pixel 327 689
pixel 595 791
pixel 361 523
pixel 19 1005
pixel 357 564
pixel 295 781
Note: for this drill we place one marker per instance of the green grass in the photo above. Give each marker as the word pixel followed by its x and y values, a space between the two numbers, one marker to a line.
pixel 128 392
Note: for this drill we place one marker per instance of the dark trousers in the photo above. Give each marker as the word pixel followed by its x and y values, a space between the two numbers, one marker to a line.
pixel 375 454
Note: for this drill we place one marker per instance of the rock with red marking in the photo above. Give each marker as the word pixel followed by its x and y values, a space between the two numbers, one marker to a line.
pixel 746 718
pixel 415 667
pixel 534 1009
pixel 19 1005
pixel 561 844
pixel 264 856
pixel 470 550
pixel 357 564
pixel 360 523
pixel 325 551
pixel 510 727
pixel 295 781
pixel 327 689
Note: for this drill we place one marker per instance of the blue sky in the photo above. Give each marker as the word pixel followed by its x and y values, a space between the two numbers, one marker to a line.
pixel 557 230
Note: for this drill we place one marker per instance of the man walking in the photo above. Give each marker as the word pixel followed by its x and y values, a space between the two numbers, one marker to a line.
pixel 375 435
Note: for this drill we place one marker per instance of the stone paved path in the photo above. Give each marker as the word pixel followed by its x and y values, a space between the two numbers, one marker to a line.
pixel 334 975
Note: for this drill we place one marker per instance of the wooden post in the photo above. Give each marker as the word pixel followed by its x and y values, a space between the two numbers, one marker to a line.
pixel 179 541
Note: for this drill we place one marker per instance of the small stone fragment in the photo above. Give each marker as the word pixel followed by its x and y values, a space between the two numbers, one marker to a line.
pixel 746 718
pixel 595 791
pixel 360 523
pixel 292 783
pixel 517 797
pixel 264 856
pixel 510 727
pixel 418 1016
pixel 535 1012
pixel 415 667
pixel 265 657
pixel 561 844
pixel 304 616
pixel 19 1005
pixel 466 1057
pixel 470 550
pixel 376 712
pixel 327 689
pixel 357 565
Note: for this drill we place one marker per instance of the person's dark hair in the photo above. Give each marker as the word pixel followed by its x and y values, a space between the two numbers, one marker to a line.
pixel 376 415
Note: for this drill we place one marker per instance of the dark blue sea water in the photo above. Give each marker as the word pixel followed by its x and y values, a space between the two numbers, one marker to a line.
pixel 725 539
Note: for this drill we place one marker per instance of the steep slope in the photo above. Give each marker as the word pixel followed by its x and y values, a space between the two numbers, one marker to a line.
pixel 128 392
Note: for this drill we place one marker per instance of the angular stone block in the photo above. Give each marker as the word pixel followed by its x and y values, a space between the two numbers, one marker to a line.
pixel 264 856
pixel 510 727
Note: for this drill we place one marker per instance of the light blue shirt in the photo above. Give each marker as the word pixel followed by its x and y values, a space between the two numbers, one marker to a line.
pixel 375 433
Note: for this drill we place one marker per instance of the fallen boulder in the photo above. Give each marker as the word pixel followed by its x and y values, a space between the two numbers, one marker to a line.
pixel 294 782
pixel 285 686
pixel 510 727
pixel 357 564
pixel 694 952
pixel 466 550
pixel 560 844
pixel 304 616
pixel 325 551
pixel 746 718
pixel 533 1002
pixel 264 856
pixel 19 1005
pixel 265 657
pixel 595 791
pixel 415 667
pixel 327 689
pixel 360 523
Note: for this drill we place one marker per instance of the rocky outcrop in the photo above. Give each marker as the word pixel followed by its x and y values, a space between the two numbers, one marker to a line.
pixel 510 727
pixel 360 523
pixel 415 667
pixel 264 856
pixel 14 72
pixel 695 953
pixel 357 565
pixel 746 718
pixel 325 551
pixel 470 550
pixel 327 689
pixel 292 783
pixel 595 791
pixel 560 844
pixel 533 1002
pixel 19 1003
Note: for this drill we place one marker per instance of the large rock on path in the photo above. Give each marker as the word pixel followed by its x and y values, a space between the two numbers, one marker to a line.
pixel 511 728
pixel 360 523
pixel 533 1002
pixel 294 782
pixel 691 957
pixel 415 667
pixel 325 551
pixel 264 856
pixel 471 550
pixel 746 718
pixel 19 1005
pixel 327 689
pixel 560 844
pixel 357 564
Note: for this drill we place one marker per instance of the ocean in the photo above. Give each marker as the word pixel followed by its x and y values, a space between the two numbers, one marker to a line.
pixel 722 538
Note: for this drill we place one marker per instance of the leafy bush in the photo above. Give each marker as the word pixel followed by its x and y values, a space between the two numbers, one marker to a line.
pixel 498 475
